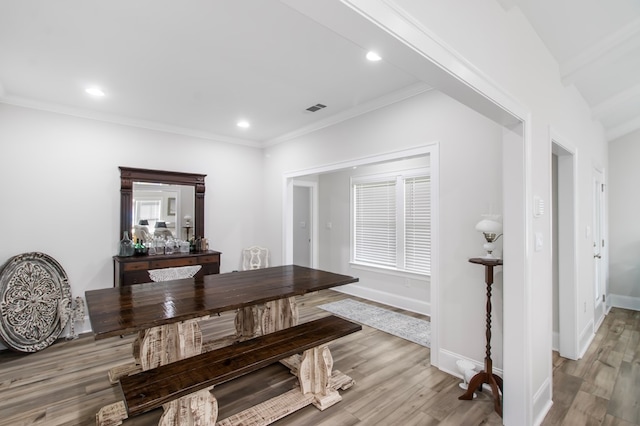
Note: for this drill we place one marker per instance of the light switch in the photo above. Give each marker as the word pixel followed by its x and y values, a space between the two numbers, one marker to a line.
pixel 538 206
pixel 539 241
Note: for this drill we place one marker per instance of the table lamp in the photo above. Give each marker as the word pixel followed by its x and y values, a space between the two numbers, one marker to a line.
pixel 492 230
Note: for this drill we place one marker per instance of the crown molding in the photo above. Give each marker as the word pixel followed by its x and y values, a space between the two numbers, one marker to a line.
pixel 623 129
pixel 606 51
pixel 125 121
pixel 381 102
pixel 609 105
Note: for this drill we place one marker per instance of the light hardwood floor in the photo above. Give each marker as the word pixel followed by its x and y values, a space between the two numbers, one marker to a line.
pixel 66 384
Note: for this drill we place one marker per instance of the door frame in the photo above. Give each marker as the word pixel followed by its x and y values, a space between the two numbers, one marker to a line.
pixel 599 271
pixel 568 302
pixel 313 219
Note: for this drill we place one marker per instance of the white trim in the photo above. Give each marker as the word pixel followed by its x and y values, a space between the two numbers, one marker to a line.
pixel 568 342
pixel 361 161
pixel 125 121
pixel 542 401
pixel 624 302
pixel 386 298
pixel 586 337
pixel 448 364
pixel 625 128
pixel 605 51
pixel 389 271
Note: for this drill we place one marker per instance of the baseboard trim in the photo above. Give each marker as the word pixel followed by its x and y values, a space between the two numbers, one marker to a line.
pixel 586 337
pixel 406 303
pixel 542 402
pixel 448 363
pixel 624 302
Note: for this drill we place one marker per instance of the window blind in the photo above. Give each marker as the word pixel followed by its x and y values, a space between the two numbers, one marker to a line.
pixel 417 212
pixel 375 223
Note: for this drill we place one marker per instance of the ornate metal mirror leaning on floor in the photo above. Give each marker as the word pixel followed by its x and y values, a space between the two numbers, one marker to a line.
pixel 35 302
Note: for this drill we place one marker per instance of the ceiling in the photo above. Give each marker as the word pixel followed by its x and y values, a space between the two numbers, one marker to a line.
pixel 197 67
pixel 597 46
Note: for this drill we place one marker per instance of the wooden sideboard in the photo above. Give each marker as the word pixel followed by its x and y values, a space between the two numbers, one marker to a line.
pixel 135 269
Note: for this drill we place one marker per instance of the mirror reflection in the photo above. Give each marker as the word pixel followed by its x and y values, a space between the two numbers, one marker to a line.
pixel 162 210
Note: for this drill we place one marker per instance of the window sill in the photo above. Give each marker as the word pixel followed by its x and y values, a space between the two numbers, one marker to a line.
pixel 389 271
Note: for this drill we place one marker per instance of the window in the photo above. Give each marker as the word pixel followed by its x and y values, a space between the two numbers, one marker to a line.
pixel 392 221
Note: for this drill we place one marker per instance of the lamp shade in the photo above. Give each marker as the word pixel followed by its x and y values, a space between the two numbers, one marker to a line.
pixel 143 222
pixel 161 224
pixel 489 226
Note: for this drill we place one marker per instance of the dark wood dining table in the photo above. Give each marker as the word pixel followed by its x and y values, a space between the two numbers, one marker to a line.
pixel 166 315
pixel 117 311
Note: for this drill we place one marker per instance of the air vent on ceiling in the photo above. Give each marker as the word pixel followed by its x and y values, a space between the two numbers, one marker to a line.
pixel 316 107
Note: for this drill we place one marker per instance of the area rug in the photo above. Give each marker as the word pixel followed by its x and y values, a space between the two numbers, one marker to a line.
pixel 409 328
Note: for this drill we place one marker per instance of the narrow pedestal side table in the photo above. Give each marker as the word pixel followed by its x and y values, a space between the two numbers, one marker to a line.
pixel 487 375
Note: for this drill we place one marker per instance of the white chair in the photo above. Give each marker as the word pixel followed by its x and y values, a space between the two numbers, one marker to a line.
pixel 142 233
pixel 255 258
pixel 167 274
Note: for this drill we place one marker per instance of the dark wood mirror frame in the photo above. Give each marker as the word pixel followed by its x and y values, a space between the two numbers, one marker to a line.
pixel 129 175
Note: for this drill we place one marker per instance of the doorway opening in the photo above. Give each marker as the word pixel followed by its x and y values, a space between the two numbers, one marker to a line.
pixel 599 264
pixel 564 262
pixel 304 226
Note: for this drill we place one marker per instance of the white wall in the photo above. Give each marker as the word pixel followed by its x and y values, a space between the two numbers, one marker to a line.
pixel 470 182
pixel 62 189
pixel 501 47
pixel 624 204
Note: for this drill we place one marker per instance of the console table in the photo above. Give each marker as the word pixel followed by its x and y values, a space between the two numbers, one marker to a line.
pixel 487 375
pixel 135 269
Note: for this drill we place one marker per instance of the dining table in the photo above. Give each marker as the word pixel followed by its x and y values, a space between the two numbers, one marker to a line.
pixel 166 314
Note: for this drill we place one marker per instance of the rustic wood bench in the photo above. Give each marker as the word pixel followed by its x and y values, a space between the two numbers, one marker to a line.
pixel 177 385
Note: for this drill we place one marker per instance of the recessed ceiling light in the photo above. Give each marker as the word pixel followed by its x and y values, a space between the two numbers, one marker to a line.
pixel 94 91
pixel 373 56
pixel 243 124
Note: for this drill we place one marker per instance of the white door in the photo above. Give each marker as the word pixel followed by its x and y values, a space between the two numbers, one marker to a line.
pixel 598 246
pixel 302 225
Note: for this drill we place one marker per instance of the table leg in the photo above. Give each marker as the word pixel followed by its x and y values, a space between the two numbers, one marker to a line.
pixel 272 316
pixel 169 343
pixel 279 314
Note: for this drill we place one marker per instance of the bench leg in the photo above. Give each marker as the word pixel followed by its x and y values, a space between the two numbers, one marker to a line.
pixel 112 414
pixel 197 409
pixel 315 377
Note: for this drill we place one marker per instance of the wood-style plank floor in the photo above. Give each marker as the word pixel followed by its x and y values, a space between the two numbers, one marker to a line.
pixel 66 384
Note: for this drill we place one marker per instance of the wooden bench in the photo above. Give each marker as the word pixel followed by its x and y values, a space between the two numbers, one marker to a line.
pixel 171 383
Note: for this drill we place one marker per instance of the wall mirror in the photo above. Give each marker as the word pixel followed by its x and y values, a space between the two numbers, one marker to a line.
pixel 158 201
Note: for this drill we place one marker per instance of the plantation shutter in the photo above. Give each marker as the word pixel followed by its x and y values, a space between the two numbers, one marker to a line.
pixel 375 223
pixel 418 224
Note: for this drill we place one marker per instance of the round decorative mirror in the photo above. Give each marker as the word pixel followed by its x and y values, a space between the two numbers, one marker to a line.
pixel 34 295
